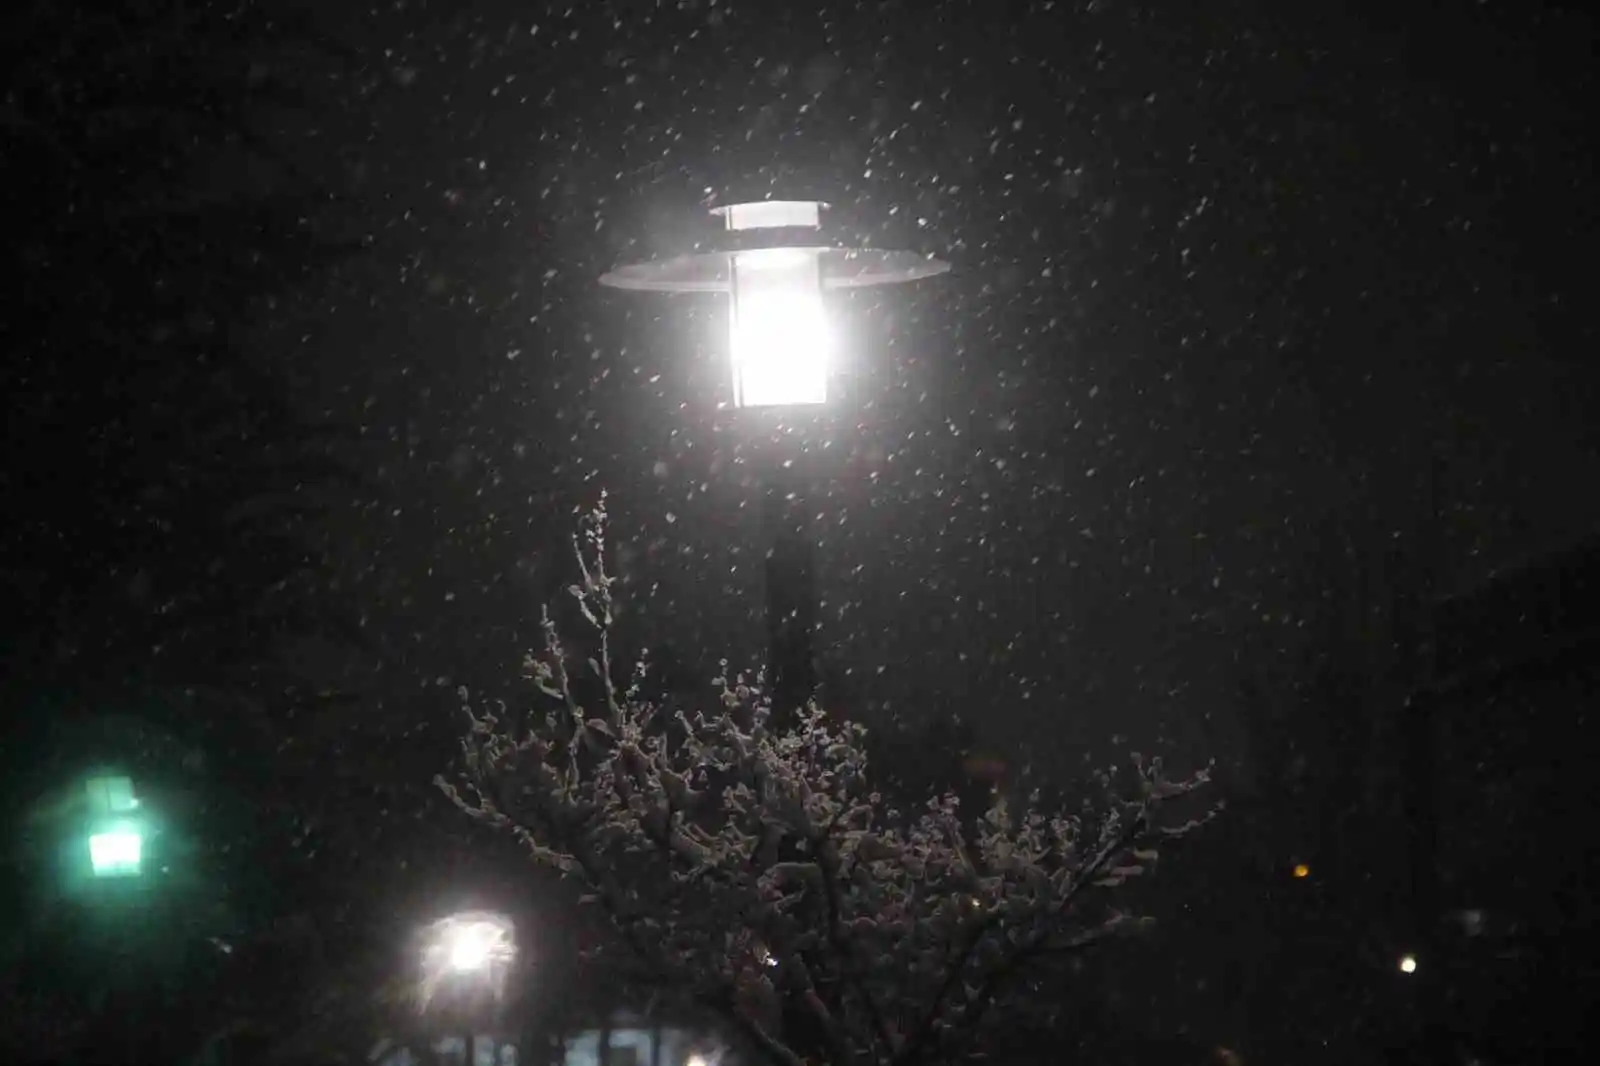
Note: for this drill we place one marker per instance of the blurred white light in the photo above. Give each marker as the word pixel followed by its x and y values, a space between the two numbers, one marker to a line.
pixel 1408 964
pixel 696 1060
pixel 781 343
pixel 475 947
pixel 471 949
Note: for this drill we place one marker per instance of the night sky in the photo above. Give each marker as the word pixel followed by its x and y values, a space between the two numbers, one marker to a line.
pixel 1250 301
pixel 1226 277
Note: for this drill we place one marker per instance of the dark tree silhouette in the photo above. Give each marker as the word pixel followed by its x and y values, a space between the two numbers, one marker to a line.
pixel 157 483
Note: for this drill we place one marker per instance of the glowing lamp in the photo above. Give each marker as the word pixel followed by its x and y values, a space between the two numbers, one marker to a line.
pixel 116 853
pixel 779 329
pixel 776 266
pixel 116 843
pixel 470 951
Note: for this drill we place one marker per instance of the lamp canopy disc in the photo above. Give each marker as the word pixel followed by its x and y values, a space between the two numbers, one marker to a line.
pixel 770 226
pixel 842 268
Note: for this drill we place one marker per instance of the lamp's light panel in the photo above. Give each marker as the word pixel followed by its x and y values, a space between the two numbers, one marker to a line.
pixel 779 335
pixel 773 214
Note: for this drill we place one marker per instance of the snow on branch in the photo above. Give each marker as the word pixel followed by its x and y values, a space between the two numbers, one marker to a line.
pixel 758 868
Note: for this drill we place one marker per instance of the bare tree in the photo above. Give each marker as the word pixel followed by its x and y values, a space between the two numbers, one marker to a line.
pixel 758 870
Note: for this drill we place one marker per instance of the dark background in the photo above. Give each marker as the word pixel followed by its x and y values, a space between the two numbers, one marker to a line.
pixel 1267 327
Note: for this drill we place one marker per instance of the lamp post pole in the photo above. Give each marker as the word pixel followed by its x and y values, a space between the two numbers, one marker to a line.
pixel 775 263
pixel 791 587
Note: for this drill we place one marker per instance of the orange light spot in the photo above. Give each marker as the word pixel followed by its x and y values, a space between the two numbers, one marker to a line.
pixel 1301 870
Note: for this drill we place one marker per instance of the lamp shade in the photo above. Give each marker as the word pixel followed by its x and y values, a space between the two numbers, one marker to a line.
pixel 117 852
pixel 779 334
pixel 775 262
pixel 116 842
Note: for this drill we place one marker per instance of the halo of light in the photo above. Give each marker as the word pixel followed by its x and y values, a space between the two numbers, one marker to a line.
pixel 473 950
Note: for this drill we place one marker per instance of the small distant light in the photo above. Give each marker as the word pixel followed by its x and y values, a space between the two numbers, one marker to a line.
pixel 1301 870
pixel 1408 964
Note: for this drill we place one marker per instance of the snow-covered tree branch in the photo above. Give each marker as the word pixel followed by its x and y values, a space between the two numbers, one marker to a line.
pixel 757 867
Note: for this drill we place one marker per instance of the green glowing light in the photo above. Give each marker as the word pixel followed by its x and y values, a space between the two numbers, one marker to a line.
pixel 117 853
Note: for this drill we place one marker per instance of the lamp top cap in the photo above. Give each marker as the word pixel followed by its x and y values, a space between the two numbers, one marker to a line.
pixel 772 214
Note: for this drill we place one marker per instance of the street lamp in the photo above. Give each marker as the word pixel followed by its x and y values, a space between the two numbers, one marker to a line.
pixel 776 265
pixel 471 953
pixel 118 852
pixel 116 838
